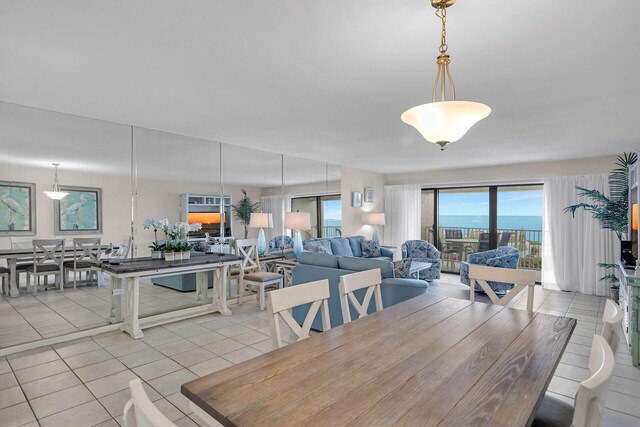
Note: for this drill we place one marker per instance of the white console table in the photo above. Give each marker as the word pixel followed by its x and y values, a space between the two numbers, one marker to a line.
pixel 630 302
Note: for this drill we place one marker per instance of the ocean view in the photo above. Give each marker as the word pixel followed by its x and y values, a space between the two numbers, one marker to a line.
pixel 508 222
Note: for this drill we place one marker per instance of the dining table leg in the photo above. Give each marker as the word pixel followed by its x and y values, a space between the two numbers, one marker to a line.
pixel 202 286
pixel 132 308
pixel 13 277
pixel 115 313
pixel 220 278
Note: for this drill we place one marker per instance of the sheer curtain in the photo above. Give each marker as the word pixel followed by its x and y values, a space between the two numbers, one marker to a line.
pixel 573 246
pixel 402 209
pixel 275 206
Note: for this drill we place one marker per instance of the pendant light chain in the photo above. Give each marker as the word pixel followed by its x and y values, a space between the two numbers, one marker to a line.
pixel 443 61
pixel 441 13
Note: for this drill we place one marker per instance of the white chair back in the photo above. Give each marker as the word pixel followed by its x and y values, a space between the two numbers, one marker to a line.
pixel 282 300
pixel 140 410
pixel 48 251
pixel 611 319
pixel 592 393
pixel 87 248
pixel 520 278
pixel 248 250
pixel 349 283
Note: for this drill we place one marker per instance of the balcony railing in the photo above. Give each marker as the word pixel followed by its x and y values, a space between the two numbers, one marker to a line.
pixel 331 231
pixel 528 242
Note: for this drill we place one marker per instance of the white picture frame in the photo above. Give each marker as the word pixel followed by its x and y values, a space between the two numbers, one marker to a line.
pixel 368 194
pixel 356 199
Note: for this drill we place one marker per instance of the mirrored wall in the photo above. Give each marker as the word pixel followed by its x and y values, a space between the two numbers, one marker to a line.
pixel 122 182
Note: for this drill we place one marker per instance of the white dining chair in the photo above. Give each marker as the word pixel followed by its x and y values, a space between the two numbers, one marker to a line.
pixel 282 300
pixel 48 259
pixel 520 278
pixel 4 275
pixel 140 411
pixel 349 283
pixel 611 319
pixel 86 257
pixel 591 397
pixel 250 274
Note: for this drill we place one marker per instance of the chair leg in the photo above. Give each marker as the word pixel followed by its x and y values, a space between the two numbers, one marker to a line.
pixel 75 278
pixel 241 285
pixel 262 291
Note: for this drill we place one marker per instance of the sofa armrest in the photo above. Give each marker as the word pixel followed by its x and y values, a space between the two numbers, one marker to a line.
pixel 407 283
pixel 389 253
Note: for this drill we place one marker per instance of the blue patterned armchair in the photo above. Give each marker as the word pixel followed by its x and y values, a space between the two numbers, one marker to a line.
pixel 503 257
pixel 423 251
pixel 280 242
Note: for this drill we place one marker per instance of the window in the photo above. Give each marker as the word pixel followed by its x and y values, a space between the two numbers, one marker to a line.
pixel 325 213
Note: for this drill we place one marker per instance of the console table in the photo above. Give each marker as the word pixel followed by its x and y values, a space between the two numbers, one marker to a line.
pixel 125 280
pixel 629 301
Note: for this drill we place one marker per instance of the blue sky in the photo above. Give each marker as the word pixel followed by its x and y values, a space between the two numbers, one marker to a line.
pixel 332 209
pixel 510 203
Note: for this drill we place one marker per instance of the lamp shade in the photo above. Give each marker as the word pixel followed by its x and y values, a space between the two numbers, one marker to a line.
pixel 297 220
pixel 445 121
pixel 634 217
pixel 375 218
pixel 261 220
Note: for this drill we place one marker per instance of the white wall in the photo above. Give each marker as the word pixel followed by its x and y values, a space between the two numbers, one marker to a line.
pixel 352 218
pixel 505 173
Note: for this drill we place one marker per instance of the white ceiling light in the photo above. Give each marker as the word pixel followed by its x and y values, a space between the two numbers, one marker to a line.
pixel 56 194
pixel 442 121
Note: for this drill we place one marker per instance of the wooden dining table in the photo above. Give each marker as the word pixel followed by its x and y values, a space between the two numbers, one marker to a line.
pixel 428 361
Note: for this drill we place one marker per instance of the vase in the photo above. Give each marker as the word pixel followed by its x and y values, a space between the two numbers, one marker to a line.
pixel 157 254
pixel 177 256
pixel 169 256
pixel 186 255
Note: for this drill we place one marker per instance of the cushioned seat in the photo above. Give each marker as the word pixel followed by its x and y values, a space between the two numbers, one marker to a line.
pixel 4 270
pixel 423 251
pixel 262 276
pixel 234 271
pixel 79 264
pixel 44 268
pixel 502 257
pixel 553 412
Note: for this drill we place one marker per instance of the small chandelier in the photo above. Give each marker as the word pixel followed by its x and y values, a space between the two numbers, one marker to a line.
pixel 56 194
pixel 443 121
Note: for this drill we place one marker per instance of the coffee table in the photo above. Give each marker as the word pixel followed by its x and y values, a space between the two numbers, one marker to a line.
pixel 417 267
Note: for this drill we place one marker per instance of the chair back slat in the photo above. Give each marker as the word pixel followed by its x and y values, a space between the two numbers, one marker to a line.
pixel 248 250
pixel 282 300
pixel 611 319
pixel 349 283
pixel 48 251
pixel 88 248
pixel 507 275
pixel 140 410
pixel 592 393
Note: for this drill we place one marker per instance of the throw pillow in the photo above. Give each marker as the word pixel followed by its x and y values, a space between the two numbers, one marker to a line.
pixel 401 268
pixel 370 249
pixel 324 250
pixel 312 246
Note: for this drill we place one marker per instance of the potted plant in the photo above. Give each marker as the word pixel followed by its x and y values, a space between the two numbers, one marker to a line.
pixel 243 210
pixel 170 251
pixel 186 249
pixel 156 247
pixel 611 211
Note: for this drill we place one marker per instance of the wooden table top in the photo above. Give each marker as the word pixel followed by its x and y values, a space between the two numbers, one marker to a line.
pixel 145 264
pixel 428 361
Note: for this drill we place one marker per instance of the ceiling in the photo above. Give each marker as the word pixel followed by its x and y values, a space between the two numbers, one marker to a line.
pixel 328 80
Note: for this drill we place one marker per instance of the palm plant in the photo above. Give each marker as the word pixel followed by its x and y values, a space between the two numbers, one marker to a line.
pixel 244 209
pixel 612 211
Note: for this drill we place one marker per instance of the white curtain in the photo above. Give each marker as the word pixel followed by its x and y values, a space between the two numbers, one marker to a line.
pixel 276 207
pixel 573 246
pixel 402 209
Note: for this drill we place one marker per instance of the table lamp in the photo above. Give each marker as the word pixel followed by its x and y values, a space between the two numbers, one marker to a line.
pixel 297 221
pixel 375 219
pixel 261 220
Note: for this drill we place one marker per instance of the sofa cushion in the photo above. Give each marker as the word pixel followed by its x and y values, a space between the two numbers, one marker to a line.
pixel 319 259
pixel 401 268
pixel 340 246
pixel 315 245
pixel 370 249
pixel 354 242
pixel 362 264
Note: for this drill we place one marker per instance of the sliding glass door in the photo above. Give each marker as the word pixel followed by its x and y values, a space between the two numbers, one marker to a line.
pixel 325 213
pixel 460 221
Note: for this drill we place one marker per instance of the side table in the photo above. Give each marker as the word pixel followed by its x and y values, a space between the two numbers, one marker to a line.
pixel 285 266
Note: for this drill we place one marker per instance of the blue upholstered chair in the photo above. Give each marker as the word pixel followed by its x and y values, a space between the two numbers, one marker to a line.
pixel 280 242
pixel 423 251
pixel 503 257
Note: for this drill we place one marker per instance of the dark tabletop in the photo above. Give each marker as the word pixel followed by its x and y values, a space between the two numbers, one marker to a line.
pixel 145 264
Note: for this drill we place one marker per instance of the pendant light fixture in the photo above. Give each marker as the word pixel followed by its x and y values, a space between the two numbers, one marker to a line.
pixel 56 194
pixel 444 121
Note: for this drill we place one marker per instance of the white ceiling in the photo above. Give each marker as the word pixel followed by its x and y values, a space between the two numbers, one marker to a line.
pixel 328 80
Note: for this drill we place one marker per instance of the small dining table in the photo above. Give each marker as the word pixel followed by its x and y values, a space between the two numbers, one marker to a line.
pixel 428 361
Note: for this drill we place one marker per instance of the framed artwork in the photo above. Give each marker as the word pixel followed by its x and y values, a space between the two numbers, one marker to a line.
pixel 368 195
pixel 79 212
pixel 17 208
pixel 356 199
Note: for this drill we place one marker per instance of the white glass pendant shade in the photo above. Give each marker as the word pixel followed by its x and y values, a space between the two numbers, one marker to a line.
pixel 445 121
pixel 56 195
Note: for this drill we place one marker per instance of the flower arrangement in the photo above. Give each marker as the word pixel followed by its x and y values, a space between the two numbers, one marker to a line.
pixel 174 237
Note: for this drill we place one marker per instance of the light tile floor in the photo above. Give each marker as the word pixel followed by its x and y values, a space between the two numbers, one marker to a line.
pixel 84 383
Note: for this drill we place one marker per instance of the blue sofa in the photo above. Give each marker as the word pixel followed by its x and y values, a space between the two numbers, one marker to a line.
pixel 344 246
pixel 503 257
pixel 423 251
pixel 318 266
